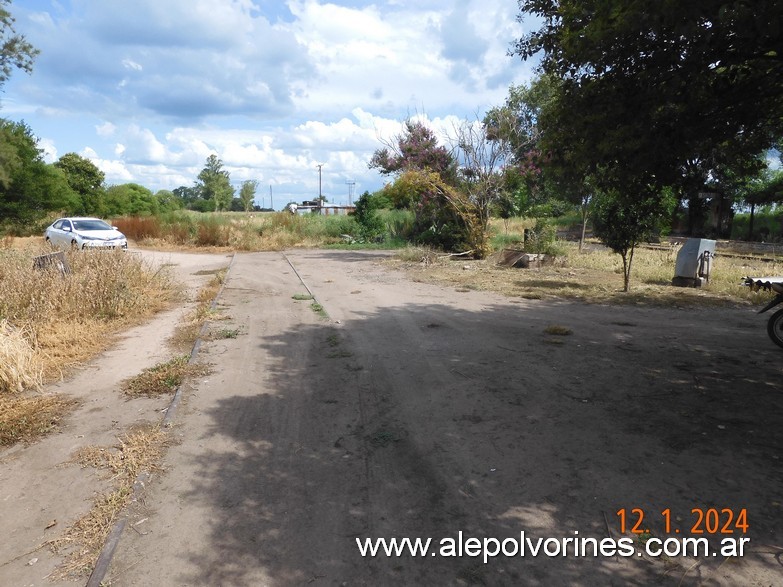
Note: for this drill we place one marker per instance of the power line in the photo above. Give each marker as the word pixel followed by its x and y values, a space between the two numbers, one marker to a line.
pixel 351 183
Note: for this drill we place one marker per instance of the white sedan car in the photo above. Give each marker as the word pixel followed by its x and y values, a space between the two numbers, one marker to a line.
pixel 84 233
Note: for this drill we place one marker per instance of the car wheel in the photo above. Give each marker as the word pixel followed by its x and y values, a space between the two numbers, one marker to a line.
pixel 74 245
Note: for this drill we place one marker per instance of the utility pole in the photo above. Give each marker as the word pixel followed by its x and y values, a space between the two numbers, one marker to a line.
pixel 320 196
pixel 351 183
pixel 271 201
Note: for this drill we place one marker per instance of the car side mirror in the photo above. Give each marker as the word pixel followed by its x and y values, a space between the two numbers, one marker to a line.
pixel 67 228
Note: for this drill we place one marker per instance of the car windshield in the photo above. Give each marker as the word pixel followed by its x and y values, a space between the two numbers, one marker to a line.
pixel 90 225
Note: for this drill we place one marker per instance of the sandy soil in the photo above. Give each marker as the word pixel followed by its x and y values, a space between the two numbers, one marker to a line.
pixel 418 410
pixel 41 494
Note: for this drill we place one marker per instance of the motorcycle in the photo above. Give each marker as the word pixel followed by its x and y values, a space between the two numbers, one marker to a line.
pixel 775 322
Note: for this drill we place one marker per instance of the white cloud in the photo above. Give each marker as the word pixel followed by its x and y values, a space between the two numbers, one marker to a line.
pixel 132 65
pixel 49 150
pixel 152 88
pixel 106 129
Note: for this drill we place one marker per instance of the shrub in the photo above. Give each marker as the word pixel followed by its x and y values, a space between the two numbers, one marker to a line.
pixel 211 231
pixel 370 224
pixel 542 239
pixel 139 227
pixel 446 218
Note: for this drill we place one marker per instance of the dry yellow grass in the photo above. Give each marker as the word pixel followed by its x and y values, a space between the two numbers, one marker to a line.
pixel 138 451
pixel 189 329
pixel 50 322
pixel 65 318
pixel 20 366
pixel 26 418
pixel 233 231
pixel 594 276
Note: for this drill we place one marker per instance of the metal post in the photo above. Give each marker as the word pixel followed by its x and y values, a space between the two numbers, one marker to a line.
pixel 320 197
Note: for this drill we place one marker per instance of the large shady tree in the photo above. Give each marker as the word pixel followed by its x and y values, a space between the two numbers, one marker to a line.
pixel 650 85
pixel 657 95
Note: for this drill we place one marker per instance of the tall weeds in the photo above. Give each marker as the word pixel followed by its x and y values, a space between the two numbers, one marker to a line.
pixel 48 319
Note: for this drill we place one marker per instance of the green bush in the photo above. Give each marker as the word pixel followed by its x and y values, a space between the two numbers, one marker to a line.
pixel 767 226
pixel 371 226
pixel 542 239
pixel 399 224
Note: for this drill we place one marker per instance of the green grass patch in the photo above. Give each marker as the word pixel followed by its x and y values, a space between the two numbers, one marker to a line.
pixel 163 378
pixel 320 310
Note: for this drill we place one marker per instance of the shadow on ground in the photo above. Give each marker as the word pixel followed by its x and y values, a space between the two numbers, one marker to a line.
pixel 424 420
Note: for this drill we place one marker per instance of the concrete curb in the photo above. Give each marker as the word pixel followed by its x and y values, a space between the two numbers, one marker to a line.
pixel 109 547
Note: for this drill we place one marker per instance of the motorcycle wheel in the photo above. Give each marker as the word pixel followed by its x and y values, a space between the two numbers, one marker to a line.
pixel 775 328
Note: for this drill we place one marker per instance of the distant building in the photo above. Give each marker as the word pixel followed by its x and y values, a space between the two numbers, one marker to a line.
pixel 317 207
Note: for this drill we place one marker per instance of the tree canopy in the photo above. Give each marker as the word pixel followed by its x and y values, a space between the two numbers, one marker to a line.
pixel 247 194
pixel 215 183
pixel 651 85
pixel 86 180
pixel 30 188
pixel 15 50
pixel 415 148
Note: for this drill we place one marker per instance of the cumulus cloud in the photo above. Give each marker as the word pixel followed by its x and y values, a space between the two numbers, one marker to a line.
pixel 106 129
pixel 198 58
pixel 152 88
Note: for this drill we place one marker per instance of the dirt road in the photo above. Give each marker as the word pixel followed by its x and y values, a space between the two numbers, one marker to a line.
pixel 420 411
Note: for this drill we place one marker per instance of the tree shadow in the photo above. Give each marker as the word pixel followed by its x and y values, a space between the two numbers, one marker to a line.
pixel 425 420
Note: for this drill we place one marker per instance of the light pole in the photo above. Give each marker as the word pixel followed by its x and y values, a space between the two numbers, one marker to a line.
pixel 320 197
pixel 350 183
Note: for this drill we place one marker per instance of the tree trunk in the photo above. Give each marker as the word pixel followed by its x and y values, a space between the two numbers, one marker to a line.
pixel 627 256
pixel 750 223
pixel 624 255
pixel 585 210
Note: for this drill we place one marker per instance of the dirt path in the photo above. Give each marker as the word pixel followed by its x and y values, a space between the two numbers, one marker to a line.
pixel 420 411
pixel 40 493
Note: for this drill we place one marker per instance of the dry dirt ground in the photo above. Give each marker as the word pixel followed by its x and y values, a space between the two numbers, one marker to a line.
pixel 417 410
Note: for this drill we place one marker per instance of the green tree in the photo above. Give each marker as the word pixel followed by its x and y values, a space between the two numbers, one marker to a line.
pixel 187 195
pixel 408 189
pixel 446 217
pixel 247 194
pixel 30 189
pixel 622 221
pixel 15 50
pixel 131 199
pixel 761 190
pixel 538 183
pixel 86 180
pixel 215 183
pixel 371 225
pixel 648 86
pixel 168 201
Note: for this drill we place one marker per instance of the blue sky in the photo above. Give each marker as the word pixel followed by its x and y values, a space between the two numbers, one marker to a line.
pixel 148 89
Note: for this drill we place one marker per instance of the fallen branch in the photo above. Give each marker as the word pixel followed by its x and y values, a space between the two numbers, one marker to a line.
pixel 456 254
